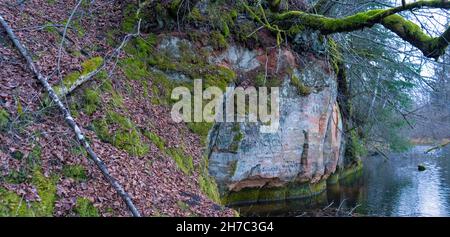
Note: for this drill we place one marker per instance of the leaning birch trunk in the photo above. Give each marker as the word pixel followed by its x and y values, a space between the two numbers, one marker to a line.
pixel 69 120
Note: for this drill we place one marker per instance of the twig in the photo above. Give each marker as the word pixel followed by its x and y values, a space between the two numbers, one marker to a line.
pixel 437 147
pixel 329 205
pixel 58 62
pixel 353 209
pixel 382 153
pixel 69 120
pixel 340 205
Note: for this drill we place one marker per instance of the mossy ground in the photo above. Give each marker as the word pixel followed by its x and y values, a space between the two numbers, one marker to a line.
pixel 184 162
pixel 12 204
pixel 4 119
pixel 76 172
pixel 85 208
pixel 207 183
pixel 125 136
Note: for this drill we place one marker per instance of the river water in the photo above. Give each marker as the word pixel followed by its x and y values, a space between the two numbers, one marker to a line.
pixel 390 186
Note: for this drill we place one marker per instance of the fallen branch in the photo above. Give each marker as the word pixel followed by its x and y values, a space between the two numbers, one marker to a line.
pixel 84 78
pixel 382 153
pixel 69 120
pixel 438 147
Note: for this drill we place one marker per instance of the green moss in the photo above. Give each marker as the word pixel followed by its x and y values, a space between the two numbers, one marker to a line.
pixel 145 89
pixel 350 173
pixel 355 148
pixel 46 188
pixel 201 129
pixel 141 47
pixel 302 89
pixel 158 141
pixel 130 18
pixel 243 32
pixel 70 78
pixel 126 136
pixel 12 204
pixel 274 5
pixel 88 66
pixel 233 167
pixel 76 172
pixel 233 14
pixel 130 141
pixel 17 177
pixel 91 101
pixel 85 208
pixel 290 191
pixel 134 69
pixel 333 178
pixel 336 59
pixel 174 6
pixel 225 29
pixel 218 41
pixel 4 119
pixel 295 29
pixel 260 80
pixel 78 150
pixel 238 137
pixel 209 187
pixel 19 108
pixel 101 129
pixel 106 85
pixel 91 65
pixel 18 155
pixel 183 206
pixel 184 162
pixel 116 99
pixel 195 15
pixel 35 155
pixel 161 88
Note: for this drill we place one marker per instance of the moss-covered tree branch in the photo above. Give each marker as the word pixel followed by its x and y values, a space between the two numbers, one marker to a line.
pixel 432 47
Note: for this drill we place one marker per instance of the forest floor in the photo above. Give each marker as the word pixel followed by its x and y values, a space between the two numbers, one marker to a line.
pixel 36 132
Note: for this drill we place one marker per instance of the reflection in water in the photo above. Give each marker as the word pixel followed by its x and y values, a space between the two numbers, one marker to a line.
pixel 391 187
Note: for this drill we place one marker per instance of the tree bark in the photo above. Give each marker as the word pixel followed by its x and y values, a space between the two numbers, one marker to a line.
pixel 69 120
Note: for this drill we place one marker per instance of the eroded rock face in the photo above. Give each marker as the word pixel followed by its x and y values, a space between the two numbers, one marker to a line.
pixel 291 163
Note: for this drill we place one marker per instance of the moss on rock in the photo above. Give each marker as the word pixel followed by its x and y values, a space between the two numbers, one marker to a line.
pixel 302 89
pixel 289 191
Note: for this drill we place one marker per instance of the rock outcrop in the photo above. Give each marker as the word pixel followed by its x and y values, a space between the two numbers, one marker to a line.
pixel 308 147
pixel 295 161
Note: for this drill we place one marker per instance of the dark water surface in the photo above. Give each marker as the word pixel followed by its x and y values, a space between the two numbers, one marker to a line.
pixel 386 187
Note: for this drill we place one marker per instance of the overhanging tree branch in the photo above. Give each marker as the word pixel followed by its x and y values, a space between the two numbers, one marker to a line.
pixel 432 47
